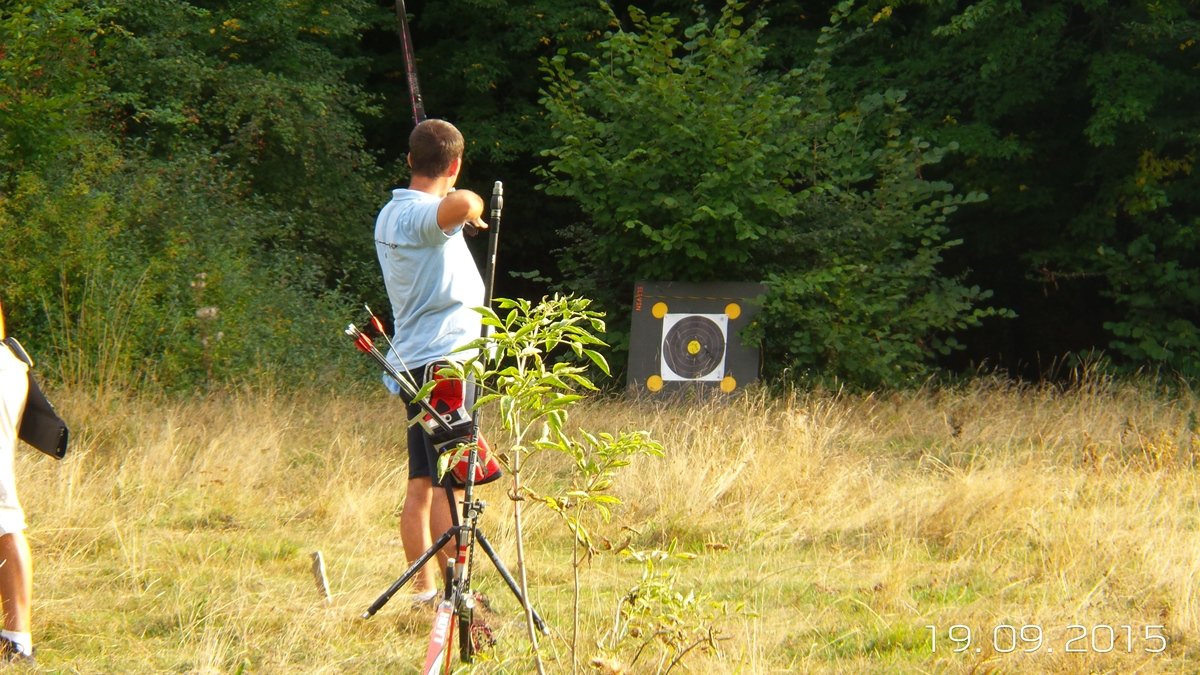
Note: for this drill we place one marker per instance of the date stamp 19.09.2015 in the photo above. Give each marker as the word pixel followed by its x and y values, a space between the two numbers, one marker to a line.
pixel 1032 638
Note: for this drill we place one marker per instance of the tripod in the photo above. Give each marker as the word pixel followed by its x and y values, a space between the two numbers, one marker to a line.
pixel 444 432
pixel 458 600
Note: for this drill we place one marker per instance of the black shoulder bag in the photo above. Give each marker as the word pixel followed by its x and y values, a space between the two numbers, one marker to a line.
pixel 41 426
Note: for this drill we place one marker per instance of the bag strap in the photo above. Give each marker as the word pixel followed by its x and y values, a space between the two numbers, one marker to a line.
pixel 18 350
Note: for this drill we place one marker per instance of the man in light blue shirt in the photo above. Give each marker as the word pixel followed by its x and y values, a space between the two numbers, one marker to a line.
pixel 433 285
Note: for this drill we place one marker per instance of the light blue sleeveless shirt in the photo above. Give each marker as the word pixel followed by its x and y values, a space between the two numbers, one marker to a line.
pixel 432 282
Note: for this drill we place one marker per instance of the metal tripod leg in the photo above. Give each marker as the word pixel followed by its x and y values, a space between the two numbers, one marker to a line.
pixel 408 573
pixel 512 584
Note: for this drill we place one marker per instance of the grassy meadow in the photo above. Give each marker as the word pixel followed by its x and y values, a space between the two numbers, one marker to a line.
pixel 829 532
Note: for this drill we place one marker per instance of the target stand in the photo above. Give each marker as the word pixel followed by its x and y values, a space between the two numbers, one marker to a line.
pixel 687 336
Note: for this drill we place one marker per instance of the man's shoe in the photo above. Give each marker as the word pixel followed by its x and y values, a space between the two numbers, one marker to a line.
pixel 425 600
pixel 10 652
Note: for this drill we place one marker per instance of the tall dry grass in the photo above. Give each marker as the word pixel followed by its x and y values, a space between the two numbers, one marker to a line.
pixel 834 527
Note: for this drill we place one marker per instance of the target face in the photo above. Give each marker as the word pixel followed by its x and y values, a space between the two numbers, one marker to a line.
pixel 693 347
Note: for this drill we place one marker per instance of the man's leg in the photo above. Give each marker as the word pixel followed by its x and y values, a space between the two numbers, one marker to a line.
pixel 425 517
pixel 415 531
pixel 426 514
pixel 16 581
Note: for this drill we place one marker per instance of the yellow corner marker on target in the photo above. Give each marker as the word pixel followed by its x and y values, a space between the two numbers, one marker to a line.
pixel 654 383
pixel 659 310
pixel 733 310
pixel 728 384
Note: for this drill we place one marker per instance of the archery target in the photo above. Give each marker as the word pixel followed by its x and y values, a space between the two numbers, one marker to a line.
pixel 693 347
pixel 690 337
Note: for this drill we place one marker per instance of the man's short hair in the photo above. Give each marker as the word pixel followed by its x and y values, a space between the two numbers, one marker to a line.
pixel 432 146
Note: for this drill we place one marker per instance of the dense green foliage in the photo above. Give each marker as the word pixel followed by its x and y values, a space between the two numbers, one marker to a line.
pixel 196 201
pixel 741 171
pixel 186 187
pixel 1077 118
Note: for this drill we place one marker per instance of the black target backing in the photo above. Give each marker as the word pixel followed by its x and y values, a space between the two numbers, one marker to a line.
pixel 693 347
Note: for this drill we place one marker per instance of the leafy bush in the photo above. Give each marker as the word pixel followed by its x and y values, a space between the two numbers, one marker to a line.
pixel 160 219
pixel 694 163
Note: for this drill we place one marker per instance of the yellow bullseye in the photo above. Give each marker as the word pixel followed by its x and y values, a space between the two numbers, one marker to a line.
pixel 693 347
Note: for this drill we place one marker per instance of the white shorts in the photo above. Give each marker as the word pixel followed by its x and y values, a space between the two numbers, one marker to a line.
pixel 14 386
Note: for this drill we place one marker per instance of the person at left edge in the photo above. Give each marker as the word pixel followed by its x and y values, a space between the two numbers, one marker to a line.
pixel 16 564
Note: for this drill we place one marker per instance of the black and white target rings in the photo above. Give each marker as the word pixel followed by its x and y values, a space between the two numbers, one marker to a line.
pixel 693 347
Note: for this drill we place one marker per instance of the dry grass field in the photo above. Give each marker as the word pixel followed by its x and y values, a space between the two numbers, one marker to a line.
pixel 830 533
